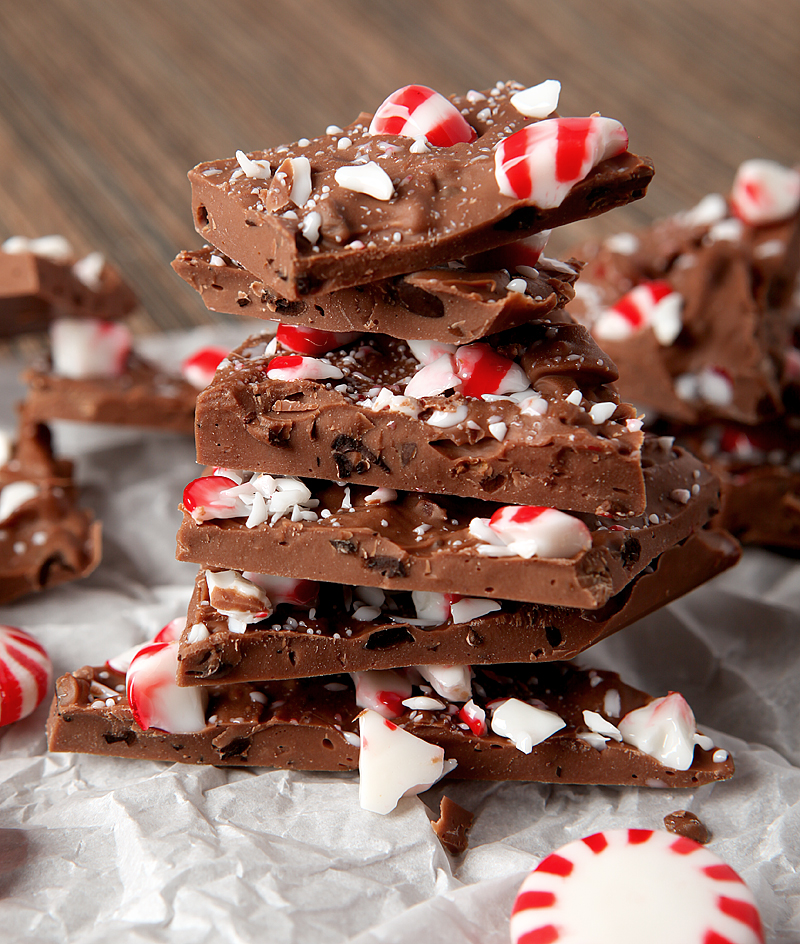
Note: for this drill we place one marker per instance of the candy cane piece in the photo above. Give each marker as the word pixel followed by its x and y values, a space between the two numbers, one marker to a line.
pixel 482 370
pixel 554 533
pixel 418 112
pixel 206 498
pixel 154 696
pixel 381 690
pixel 297 367
pixel 86 347
pixel 199 368
pixel 542 162
pixel 765 192
pixel 312 341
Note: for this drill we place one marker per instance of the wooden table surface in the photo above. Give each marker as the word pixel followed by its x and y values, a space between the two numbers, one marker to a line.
pixel 105 104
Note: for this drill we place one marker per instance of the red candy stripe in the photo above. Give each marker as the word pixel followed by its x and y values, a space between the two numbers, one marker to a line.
pixel 416 111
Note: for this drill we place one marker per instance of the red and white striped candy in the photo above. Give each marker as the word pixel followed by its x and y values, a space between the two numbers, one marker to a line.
pixel 393 763
pixel 25 673
pixel 292 590
pixel 649 305
pixel 205 498
pixel 416 111
pixel 475 718
pixel 765 192
pixel 199 368
pixel 169 633
pixel 312 341
pixel 626 886
pixel 482 370
pixel 297 367
pixel 382 690
pixel 434 378
pixel 426 352
pixel 542 162
pixel 155 698
pixel 87 347
pixel 554 533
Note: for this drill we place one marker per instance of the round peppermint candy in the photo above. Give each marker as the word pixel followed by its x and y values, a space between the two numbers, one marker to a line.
pixel 25 673
pixel 627 886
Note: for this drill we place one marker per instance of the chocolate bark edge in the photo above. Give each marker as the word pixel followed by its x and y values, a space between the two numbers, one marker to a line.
pixel 518 633
pixel 310 724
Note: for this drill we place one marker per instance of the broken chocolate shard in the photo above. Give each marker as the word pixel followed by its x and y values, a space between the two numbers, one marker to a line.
pixel 311 724
pixel 45 539
pixel 445 202
pixel 142 395
pixel 325 637
pixel 446 304
pixel 453 826
pixel 684 823
pixel 426 542
pixel 555 434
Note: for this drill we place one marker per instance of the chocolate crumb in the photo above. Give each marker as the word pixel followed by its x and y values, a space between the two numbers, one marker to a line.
pixel 684 823
pixel 453 826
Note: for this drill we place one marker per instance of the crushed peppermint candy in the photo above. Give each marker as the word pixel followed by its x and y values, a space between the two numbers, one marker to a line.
pixel 664 729
pixel 297 367
pixel 154 696
pixel 421 113
pixel 369 178
pixel 538 101
pixel 525 725
pixel 530 531
pixel 87 347
pixel 765 192
pixel 653 305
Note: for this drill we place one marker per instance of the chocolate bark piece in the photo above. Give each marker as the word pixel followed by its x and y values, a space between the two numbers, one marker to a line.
pixel 143 395
pixel 446 203
pixel 684 823
pixel 310 724
pixel 423 542
pixel 294 643
pixel 45 539
pixel 453 826
pixel 362 428
pixel 759 468
pixel 445 304
pixel 35 289
pixel 735 281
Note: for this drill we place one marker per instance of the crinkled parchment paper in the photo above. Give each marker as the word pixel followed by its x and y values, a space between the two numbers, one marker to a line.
pixel 94 849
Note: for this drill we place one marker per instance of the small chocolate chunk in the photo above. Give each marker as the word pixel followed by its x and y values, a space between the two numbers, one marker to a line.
pixel 453 826
pixel 684 823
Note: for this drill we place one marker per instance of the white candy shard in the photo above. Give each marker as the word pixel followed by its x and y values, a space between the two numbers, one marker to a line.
pixel 259 170
pixel 664 729
pixel 434 378
pixel 369 178
pixel 602 412
pixel 525 725
pixel 432 607
pixel 470 608
pixel 154 696
pixel 301 180
pixel 382 691
pixel 426 352
pixel 14 496
pixel 538 101
pixel 88 348
pixel 597 723
pixel 532 531
pixel 89 270
pixel 297 367
pixel 765 192
pixel 230 581
pixel 393 763
pixel 452 682
pixel 381 496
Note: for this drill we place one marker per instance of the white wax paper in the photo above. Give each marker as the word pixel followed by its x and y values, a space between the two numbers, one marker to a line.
pixel 95 849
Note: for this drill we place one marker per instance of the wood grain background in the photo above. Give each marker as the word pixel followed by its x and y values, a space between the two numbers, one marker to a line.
pixel 105 104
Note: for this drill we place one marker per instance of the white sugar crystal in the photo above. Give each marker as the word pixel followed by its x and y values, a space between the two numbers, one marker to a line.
pixel 369 178
pixel 525 725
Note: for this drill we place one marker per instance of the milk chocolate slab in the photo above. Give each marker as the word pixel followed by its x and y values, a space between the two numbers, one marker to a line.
pixel 143 395
pixel 735 280
pixel 446 203
pixel 569 458
pixel 310 724
pixel 46 540
pixel 35 290
pixel 445 304
pixel 423 542
pixel 293 642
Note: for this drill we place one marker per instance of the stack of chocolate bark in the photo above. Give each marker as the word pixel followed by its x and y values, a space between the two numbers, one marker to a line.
pixel 425 493
pixel 700 314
